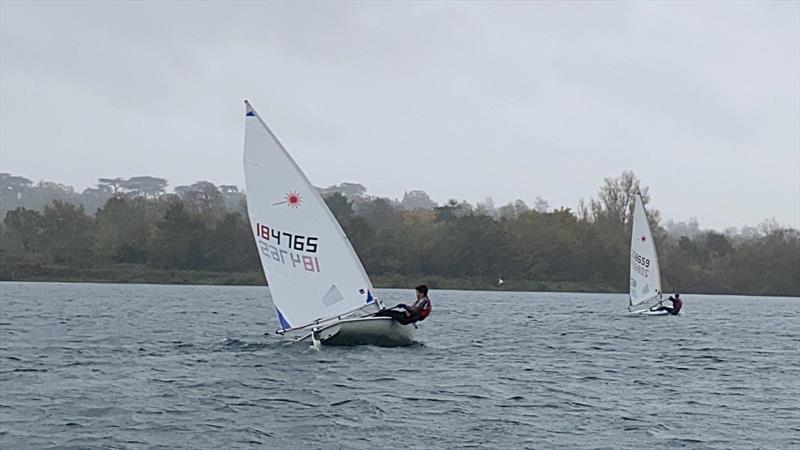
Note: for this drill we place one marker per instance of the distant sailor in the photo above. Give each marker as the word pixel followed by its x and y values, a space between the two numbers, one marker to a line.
pixel 677 304
pixel 410 314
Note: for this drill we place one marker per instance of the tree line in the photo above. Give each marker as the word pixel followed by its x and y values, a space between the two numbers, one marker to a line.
pixel 17 191
pixel 202 229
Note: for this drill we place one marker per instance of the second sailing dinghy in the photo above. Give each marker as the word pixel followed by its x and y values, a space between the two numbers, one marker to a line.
pixel 319 287
pixel 645 286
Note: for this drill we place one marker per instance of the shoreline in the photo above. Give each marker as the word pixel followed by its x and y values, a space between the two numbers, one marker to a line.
pixel 136 274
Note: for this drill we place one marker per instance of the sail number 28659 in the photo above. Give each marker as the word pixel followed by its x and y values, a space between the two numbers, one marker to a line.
pixel 642 264
pixel 640 259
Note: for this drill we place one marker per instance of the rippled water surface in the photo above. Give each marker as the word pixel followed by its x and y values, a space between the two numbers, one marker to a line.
pixel 134 366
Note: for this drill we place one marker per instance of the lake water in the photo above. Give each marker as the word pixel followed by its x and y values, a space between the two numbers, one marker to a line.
pixel 145 366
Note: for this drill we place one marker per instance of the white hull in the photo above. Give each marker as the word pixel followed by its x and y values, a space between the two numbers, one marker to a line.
pixel 380 331
pixel 648 312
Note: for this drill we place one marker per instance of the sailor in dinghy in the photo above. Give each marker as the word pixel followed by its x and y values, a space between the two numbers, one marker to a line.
pixel 645 276
pixel 677 304
pixel 410 314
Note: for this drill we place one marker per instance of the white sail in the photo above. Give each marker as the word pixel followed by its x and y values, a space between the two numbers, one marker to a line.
pixel 311 268
pixel 645 285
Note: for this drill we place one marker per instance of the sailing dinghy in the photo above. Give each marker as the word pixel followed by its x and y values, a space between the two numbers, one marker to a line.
pixel 319 288
pixel 645 286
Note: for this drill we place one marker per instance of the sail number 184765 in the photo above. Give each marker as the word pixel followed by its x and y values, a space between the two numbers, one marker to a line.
pixel 293 241
pixel 266 236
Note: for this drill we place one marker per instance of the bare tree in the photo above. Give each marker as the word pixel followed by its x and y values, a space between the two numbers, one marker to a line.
pixel 486 207
pixel 583 211
pixel 616 198
pixel 541 205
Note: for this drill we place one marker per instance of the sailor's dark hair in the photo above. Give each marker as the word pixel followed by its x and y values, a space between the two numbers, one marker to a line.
pixel 677 295
pixel 422 289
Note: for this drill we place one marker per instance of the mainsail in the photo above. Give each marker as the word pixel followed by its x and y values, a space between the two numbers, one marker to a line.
pixel 645 283
pixel 311 268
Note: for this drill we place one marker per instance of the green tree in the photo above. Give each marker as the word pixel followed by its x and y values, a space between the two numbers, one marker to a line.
pixel 114 184
pixel 178 241
pixel 415 239
pixel 145 186
pixel 231 246
pixel 123 230
pixel 202 197
pixel 380 214
pixel 340 206
pixel 717 244
pixel 469 246
pixel 26 226
pixel 68 234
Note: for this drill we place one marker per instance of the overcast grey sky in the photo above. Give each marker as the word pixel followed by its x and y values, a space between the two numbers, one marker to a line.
pixel 464 100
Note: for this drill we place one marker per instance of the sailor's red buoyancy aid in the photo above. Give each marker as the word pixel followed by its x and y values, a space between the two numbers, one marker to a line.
pixel 677 304
pixel 425 310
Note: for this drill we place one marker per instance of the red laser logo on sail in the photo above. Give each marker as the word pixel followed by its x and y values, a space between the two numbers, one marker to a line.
pixel 293 199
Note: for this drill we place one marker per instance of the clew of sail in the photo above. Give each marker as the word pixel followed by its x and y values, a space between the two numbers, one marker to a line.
pixel 311 268
pixel 645 276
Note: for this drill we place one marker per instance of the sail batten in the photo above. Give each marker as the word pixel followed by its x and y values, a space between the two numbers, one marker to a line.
pixel 311 268
pixel 645 274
